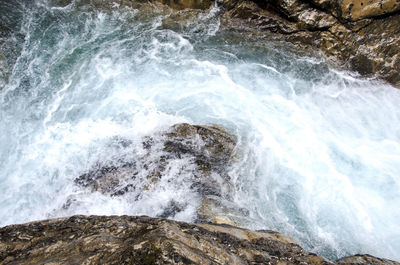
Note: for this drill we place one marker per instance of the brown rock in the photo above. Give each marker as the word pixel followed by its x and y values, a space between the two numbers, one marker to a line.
pixel 210 151
pixel 364 41
pixel 364 259
pixel 182 4
pixel 144 240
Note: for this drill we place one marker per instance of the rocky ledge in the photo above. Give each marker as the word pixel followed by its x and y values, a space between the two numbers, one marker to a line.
pixel 357 35
pixel 144 240
pixel 362 36
pixel 213 239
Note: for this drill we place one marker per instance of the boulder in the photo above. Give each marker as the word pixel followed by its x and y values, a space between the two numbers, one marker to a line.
pixel 208 151
pixel 143 240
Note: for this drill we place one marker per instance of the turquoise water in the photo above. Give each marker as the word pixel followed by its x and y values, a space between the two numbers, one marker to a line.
pixel 319 148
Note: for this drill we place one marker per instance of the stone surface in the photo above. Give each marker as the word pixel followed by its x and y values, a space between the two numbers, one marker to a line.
pixel 365 259
pixel 144 240
pixel 206 151
pixel 210 147
pixel 176 4
pixel 352 10
pixel 366 42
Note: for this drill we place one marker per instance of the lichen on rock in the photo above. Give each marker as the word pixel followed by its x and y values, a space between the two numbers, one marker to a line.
pixel 144 240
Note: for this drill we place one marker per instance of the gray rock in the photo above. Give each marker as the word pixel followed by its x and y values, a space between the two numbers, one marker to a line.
pixel 144 240
pixel 210 151
pixel 366 40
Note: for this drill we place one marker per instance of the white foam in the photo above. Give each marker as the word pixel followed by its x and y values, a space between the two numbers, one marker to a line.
pixel 318 148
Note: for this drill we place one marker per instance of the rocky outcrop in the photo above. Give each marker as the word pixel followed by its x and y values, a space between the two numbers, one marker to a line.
pixel 353 10
pixel 363 36
pixel 207 153
pixel 359 35
pixel 144 240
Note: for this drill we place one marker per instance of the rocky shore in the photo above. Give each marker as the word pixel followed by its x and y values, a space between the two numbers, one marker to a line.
pixel 362 36
pixel 213 239
pixel 358 35
pixel 144 240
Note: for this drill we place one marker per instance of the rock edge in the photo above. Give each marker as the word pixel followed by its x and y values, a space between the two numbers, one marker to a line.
pixel 143 240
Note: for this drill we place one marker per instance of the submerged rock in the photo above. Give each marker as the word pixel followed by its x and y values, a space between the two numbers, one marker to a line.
pixel 144 240
pixel 197 155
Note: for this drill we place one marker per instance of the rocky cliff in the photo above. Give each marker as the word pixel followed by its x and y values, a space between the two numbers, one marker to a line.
pixel 363 36
pixel 359 35
pixel 144 240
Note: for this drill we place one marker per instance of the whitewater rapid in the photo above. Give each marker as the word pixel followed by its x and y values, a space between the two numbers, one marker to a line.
pixel 319 147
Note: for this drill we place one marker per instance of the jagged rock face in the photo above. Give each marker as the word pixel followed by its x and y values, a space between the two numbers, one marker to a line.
pixel 203 154
pixel 364 41
pixel 352 10
pixel 144 240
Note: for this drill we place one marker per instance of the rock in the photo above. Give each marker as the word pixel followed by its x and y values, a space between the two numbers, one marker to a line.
pixel 362 40
pixel 352 10
pixel 182 4
pixel 207 152
pixel 144 240
pixel 365 259
pixel 175 4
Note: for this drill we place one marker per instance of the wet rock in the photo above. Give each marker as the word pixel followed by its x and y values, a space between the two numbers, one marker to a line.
pixel 359 39
pixel 182 4
pixel 352 10
pixel 144 240
pixel 364 260
pixel 216 210
pixel 175 4
pixel 199 156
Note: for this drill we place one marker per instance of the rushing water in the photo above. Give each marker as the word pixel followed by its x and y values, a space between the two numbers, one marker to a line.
pixel 319 148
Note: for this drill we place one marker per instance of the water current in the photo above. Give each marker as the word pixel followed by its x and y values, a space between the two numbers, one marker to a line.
pixel 320 148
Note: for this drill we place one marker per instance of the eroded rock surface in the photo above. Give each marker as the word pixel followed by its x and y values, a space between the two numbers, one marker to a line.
pixel 196 155
pixel 364 259
pixel 144 240
pixel 363 36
